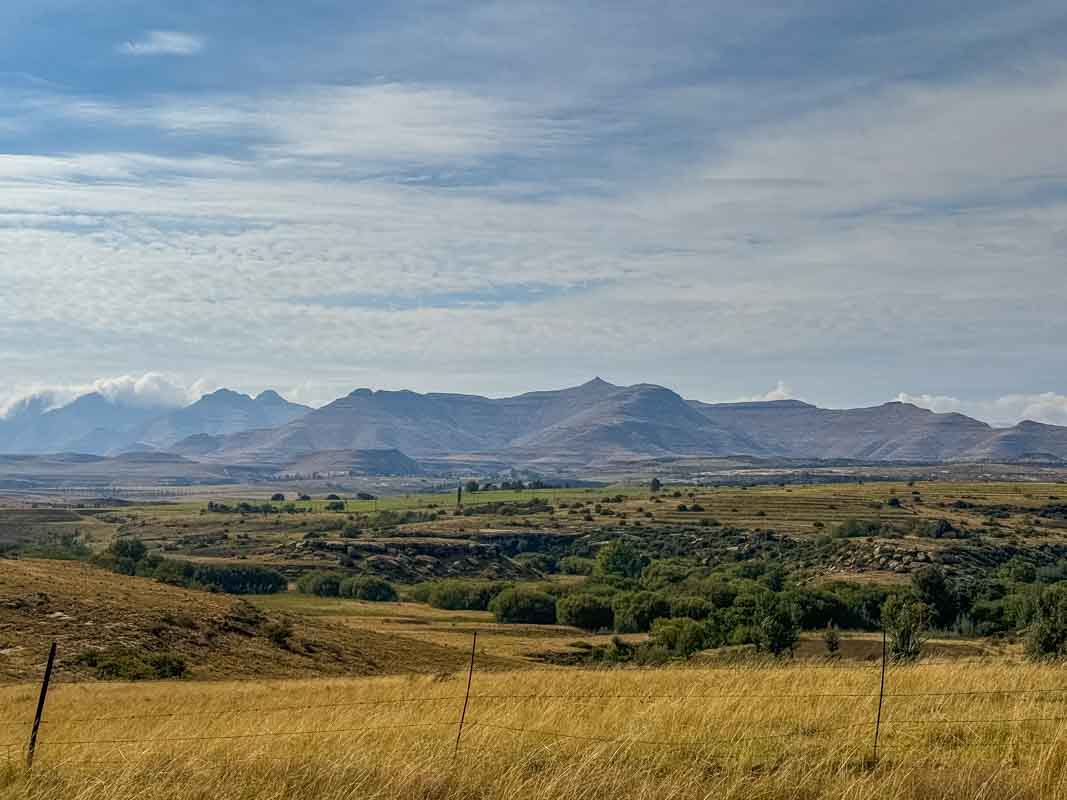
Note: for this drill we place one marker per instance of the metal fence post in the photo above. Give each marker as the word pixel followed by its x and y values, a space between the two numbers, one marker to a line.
pixel 881 698
pixel 467 698
pixel 32 746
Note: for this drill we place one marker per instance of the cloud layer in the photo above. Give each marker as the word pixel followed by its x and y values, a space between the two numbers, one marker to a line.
pixel 163 43
pixel 683 195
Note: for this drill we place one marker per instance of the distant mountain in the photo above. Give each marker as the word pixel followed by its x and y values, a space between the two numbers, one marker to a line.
pixel 96 425
pixel 90 424
pixel 220 413
pixel 595 419
pixel 890 432
pixel 381 432
pixel 598 422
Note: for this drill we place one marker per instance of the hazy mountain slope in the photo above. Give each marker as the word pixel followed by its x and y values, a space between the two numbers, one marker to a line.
pixel 593 419
pixel 220 413
pixel 1027 439
pixel 894 431
pixel 642 420
pixel 91 423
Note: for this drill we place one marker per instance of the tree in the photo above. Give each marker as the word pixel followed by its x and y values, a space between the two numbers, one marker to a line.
pixel 905 622
pixel 775 629
pixel 589 612
pixel 619 558
pixel 277 497
pixel 934 590
pixel 471 486
pixel 655 485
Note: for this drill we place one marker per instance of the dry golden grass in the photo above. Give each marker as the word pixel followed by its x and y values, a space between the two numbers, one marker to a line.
pixel 770 732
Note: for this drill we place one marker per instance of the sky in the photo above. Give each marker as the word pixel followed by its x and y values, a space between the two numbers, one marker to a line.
pixel 848 202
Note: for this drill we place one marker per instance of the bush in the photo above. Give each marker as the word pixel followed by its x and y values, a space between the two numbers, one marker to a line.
pixel 129 549
pixel 682 637
pixel 132 665
pixel 619 558
pixel 586 611
pixel 368 587
pixel 576 565
pixel 696 608
pixel 905 625
pixel 459 595
pixel 335 505
pixel 524 606
pixel 1047 637
pixel 323 584
pixel 636 611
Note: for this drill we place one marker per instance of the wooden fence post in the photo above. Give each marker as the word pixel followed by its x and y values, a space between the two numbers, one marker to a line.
pixel 467 698
pixel 881 698
pixel 32 746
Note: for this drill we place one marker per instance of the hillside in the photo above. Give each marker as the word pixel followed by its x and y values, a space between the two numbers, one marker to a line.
pixel 596 423
pixel 95 425
pixel 599 422
pixel 85 608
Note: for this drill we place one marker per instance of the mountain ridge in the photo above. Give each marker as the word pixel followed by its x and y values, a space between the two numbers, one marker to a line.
pixel 594 422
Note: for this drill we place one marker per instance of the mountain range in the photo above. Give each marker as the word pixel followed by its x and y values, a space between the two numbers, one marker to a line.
pixel 597 422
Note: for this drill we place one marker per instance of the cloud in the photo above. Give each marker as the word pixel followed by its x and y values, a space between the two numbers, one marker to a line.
pixel 780 392
pixel 1011 409
pixel 150 390
pixel 163 43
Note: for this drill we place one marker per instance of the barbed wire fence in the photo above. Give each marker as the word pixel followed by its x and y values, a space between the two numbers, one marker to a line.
pixel 37 737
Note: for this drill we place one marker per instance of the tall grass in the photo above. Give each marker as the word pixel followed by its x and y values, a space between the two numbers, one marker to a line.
pixel 772 732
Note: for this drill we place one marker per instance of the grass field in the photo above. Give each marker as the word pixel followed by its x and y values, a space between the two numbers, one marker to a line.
pixel 963 730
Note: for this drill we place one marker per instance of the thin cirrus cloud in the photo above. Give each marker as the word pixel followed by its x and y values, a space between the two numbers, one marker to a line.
pixel 163 43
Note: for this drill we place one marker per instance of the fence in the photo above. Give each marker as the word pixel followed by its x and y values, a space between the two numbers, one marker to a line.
pixel 882 696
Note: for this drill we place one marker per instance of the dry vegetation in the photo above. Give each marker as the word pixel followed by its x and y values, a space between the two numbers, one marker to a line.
pixel 757 732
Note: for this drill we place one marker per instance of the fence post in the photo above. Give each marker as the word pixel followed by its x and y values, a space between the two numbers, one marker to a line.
pixel 32 746
pixel 467 698
pixel 881 698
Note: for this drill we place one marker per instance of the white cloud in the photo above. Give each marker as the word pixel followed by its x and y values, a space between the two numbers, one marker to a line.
pixel 163 43
pixel 780 392
pixel 145 391
pixel 1011 409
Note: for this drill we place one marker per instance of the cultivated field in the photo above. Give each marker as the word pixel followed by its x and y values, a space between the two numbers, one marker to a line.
pixel 962 730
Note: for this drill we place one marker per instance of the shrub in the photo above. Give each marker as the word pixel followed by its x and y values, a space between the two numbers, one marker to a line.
pixel 905 625
pixel 832 640
pixel 368 587
pixel 576 565
pixel 132 665
pixel 323 584
pixel 1047 637
pixel 460 595
pixel 681 637
pixel 278 633
pixel 335 505
pixel 586 611
pixel 130 548
pixel 696 608
pixel 524 606
pixel 619 558
pixel 636 611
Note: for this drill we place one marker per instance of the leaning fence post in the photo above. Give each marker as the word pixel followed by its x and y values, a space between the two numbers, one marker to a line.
pixel 467 698
pixel 881 697
pixel 32 746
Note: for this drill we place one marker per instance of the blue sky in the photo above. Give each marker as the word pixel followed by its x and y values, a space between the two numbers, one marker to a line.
pixel 858 201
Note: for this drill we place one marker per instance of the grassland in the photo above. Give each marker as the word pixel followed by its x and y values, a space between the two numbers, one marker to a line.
pixel 965 730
